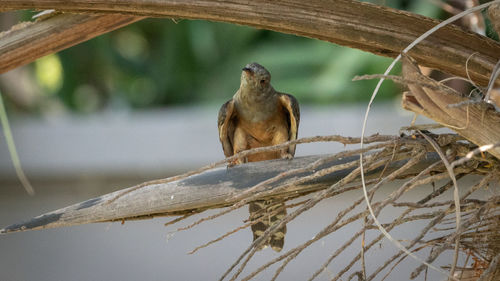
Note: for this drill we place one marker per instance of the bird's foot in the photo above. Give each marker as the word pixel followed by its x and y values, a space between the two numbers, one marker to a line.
pixel 234 162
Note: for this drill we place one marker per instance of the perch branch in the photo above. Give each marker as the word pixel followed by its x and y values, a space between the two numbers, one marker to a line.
pixel 213 188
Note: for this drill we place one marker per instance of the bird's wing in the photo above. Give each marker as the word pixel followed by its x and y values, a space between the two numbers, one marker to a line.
pixel 291 105
pixel 226 124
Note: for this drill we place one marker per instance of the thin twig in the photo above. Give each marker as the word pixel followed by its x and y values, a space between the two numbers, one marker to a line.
pixel 473 153
pixel 310 167
pixel 261 218
pixel 437 217
pixel 391 176
pixel 456 197
pixel 250 251
pixel 491 269
pixel 181 218
pixel 9 139
pixel 452 237
pixel 379 84
pixel 242 154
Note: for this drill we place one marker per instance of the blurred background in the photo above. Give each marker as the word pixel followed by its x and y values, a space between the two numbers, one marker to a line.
pixel 141 103
pixel 162 63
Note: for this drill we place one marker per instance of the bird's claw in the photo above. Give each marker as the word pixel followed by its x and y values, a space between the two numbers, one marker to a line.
pixel 233 163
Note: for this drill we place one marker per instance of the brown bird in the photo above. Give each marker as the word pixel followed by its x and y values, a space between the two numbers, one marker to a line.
pixel 258 116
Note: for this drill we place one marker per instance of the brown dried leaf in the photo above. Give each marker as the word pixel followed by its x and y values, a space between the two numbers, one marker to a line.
pixel 494 14
pixel 479 123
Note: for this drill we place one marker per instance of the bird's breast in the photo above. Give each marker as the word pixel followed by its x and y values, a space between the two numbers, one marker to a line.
pixel 263 128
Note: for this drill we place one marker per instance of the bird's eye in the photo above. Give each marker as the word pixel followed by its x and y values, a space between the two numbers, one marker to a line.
pixel 262 81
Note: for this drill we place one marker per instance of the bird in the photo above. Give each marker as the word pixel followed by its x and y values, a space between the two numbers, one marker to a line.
pixel 259 116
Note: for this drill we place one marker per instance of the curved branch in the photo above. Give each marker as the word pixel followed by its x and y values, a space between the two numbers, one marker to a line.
pixel 29 41
pixel 379 30
pixel 214 188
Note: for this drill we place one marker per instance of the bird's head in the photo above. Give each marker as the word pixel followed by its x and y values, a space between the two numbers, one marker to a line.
pixel 256 78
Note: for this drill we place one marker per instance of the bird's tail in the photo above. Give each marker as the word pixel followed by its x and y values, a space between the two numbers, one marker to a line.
pixel 266 213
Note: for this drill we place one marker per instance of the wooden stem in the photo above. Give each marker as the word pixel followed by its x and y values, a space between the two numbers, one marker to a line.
pixel 214 188
pixel 29 41
pixel 376 29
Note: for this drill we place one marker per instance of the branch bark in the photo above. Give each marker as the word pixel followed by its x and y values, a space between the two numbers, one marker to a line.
pixel 215 188
pixel 29 41
pixel 379 30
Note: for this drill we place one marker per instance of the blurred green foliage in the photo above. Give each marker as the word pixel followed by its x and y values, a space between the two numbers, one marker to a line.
pixel 159 62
